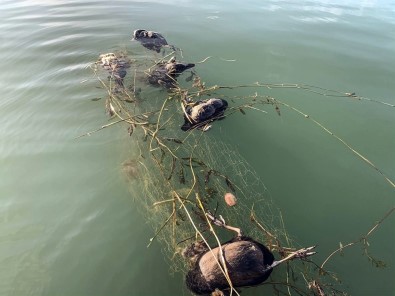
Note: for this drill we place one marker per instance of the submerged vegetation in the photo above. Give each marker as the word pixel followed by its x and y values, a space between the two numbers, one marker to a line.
pixel 194 184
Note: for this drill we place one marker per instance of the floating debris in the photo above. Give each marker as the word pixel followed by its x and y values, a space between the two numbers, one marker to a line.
pixel 230 199
pixel 131 169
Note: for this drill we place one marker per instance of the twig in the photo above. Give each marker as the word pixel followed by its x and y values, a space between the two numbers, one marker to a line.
pixel 363 238
pixel 202 61
pixel 260 226
pixel 366 160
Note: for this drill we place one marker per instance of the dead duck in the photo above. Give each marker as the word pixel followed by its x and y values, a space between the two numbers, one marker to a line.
pixel 249 263
pixel 150 39
pixel 200 113
pixel 166 73
pixel 175 68
pixel 115 65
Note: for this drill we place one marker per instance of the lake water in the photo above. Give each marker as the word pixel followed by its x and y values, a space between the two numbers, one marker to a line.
pixel 68 222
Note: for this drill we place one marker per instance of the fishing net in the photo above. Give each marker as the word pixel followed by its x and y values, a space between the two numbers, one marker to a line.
pixel 183 176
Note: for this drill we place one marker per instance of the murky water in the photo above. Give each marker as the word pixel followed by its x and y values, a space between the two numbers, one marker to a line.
pixel 68 224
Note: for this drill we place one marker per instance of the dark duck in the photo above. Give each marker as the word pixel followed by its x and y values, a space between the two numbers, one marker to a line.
pixel 201 113
pixel 150 39
pixel 166 73
pixel 248 262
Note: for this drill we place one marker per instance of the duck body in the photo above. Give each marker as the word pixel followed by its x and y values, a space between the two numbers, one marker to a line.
pixel 166 74
pixel 248 263
pixel 150 39
pixel 115 65
pixel 203 112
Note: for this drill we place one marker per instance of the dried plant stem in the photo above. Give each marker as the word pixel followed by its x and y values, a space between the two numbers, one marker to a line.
pixel 221 251
pixel 178 197
pixel 221 265
pixel 160 228
pixel 363 238
pixel 160 61
pixel 202 61
pixel 260 226
pixel 365 159
pixel 305 87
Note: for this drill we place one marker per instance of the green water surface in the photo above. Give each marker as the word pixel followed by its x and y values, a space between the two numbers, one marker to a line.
pixel 68 223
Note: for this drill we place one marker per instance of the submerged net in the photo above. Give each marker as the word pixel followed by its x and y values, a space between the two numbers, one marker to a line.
pixel 185 175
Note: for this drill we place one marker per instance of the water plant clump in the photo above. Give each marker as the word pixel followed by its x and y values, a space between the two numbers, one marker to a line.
pixel 195 185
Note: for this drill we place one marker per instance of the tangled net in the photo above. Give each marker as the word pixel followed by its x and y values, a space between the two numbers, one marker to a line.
pixel 185 175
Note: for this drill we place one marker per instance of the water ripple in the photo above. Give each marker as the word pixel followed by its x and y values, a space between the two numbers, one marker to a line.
pixel 67 224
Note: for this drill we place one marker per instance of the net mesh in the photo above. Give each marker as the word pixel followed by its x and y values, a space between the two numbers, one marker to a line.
pixel 183 175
